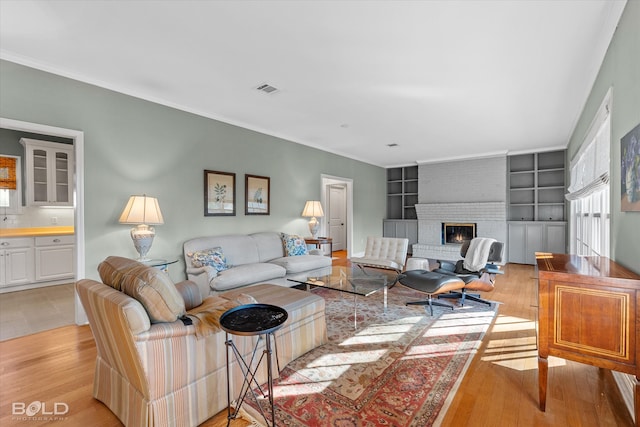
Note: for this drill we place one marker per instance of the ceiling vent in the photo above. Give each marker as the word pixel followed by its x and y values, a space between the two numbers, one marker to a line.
pixel 267 88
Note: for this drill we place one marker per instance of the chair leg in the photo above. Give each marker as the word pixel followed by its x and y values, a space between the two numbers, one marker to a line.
pixel 465 295
pixel 476 297
pixel 430 302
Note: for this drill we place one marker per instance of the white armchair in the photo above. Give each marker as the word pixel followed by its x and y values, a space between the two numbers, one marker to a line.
pixel 384 252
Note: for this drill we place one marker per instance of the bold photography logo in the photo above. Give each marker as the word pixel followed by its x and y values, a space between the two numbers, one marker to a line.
pixel 39 410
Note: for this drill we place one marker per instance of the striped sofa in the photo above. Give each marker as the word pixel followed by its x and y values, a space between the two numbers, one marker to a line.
pixel 164 373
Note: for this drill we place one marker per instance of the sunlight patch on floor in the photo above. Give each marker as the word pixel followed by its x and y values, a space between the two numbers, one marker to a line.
pixel 441 350
pixel 329 361
pixel 518 353
pixel 382 332
pixel 284 390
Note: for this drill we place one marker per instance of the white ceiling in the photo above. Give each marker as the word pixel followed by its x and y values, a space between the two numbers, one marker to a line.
pixel 442 79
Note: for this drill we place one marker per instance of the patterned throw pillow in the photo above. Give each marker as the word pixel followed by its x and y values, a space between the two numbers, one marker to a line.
pixel 294 244
pixel 213 257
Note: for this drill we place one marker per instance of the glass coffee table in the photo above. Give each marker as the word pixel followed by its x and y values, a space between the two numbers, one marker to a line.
pixel 352 280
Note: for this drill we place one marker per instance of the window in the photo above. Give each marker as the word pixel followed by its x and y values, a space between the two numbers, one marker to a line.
pixel 589 191
pixel 591 218
pixel 10 186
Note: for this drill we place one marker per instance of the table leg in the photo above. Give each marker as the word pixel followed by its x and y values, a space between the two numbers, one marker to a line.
pixel 228 344
pixel 543 369
pixel 385 297
pixel 637 401
pixel 355 311
pixel 270 378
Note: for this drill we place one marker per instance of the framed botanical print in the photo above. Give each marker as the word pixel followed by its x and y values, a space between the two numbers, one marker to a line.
pixel 219 193
pixel 257 194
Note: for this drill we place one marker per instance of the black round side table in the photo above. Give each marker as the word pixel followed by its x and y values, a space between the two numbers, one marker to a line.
pixel 248 320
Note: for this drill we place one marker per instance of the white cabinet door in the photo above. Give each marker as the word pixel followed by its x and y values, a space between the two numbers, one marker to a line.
pixel 54 258
pixel 18 266
pixel 49 167
pixel 517 243
pixel 555 235
pixel 535 242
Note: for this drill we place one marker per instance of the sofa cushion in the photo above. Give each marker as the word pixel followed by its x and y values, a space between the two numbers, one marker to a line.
pixel 299 264
pixel 213 257
pixel 269 245
pixel 246 274
pixel 151 286
pixel 294 245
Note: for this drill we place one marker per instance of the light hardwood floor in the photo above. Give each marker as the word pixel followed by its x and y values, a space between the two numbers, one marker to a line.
pixel 499 389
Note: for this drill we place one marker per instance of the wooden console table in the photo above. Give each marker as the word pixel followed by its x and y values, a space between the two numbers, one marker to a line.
pixel 588 312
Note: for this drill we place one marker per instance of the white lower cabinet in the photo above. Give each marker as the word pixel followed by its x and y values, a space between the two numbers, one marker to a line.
pixel 527 238
pixel 54 258
pixel 16 261
pixel 28 262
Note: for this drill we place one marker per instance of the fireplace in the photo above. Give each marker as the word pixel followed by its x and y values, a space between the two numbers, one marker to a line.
pixel 457 233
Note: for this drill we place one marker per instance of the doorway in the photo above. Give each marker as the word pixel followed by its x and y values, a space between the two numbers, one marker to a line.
pixel 337 215
pixel 337 198
pixel 78 145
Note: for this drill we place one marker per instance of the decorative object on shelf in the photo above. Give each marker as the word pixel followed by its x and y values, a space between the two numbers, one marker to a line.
pixel 630 170
pixel 313 209
pixel 144 211
pixel 219 193
pixel 257 195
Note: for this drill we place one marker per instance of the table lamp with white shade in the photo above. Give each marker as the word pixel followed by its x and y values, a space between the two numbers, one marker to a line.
pixel 143 211
pixel 313 209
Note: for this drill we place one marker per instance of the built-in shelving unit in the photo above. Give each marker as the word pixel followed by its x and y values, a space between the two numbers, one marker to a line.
pixel 537 186
pixel 536 205
pixel 402 196
pixel 402 192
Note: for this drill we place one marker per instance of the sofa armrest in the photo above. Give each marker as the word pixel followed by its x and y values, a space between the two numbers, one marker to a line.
pixel 492 269
pixel 190 293
pixel 162 331
pixel 196 271
pixel 447 265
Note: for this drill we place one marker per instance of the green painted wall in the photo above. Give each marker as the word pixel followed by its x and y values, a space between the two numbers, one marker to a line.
pixel 134 146
pixel 620 70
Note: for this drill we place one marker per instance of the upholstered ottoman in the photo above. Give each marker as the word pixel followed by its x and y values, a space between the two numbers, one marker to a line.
pixel 306 327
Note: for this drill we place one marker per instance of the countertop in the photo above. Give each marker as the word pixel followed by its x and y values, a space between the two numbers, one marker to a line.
pixel 35 231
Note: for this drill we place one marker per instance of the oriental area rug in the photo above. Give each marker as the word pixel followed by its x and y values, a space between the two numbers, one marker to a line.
pixel 399 368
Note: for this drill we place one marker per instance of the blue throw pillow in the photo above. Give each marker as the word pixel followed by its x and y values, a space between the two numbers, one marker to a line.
pixel 213 257
pixel 294 245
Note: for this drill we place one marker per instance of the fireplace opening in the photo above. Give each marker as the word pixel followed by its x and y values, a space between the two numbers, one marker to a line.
pixel 457 233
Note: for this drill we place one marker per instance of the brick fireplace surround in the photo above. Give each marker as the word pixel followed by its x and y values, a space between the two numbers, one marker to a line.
pixel 490 219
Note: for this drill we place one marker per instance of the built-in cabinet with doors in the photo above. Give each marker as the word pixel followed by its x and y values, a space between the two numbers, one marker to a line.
pixel 537 222
pixel 31 262
pixel 49 173
pixel 402 196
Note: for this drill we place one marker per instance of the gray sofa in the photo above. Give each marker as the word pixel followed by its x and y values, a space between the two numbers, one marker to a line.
pixel 254 258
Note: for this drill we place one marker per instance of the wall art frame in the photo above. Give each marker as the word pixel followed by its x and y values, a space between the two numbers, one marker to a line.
pixel 630 171
pixel 257 195
pixel 219 193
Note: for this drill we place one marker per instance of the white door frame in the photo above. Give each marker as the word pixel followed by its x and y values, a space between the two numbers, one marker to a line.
pixel 326 181
pixel 78 205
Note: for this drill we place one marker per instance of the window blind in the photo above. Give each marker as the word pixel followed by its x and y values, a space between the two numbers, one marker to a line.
pixel 590 167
